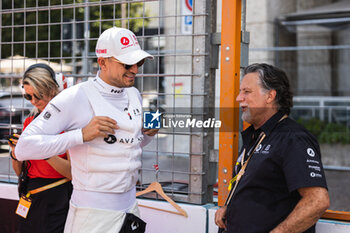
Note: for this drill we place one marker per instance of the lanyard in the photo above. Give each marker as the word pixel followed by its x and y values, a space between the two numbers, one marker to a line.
pixel 46 187
pixel 238 177
pixel 242 170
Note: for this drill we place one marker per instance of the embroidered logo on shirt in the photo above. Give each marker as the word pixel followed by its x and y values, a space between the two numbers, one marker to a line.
pixel 259 148
pixel 312 161
pixel 117 91
pixel 110 139
pixel 136 112
pixel 47 115
pixel 317 168
pixel 313 175
pixel 134 225
pixel 310 152
pixel 266 149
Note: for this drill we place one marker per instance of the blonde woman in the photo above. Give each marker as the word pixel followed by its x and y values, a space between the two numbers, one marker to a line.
pixel 49 208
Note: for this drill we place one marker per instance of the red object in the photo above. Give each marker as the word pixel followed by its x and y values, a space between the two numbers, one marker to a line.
pixel 177 84
pixel 40 168
pixel 189 4
pixel 64 82
pixel 101 50
pixel 135 39
pixel 124 41
pixel 156 167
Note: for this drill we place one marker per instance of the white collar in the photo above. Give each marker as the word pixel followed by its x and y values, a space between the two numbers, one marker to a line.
pixel 105 88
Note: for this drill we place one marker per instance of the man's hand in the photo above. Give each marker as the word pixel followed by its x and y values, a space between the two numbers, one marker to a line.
pixel 150 132
pixel 99 126
pixel 313 203
pixel 220 216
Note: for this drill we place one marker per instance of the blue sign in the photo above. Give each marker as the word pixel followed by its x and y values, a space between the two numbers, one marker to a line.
pixel 151 120
pixel 188 20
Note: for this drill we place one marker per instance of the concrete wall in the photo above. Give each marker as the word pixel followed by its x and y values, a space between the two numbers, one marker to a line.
pixel 261 15
pixel 342 59
pixel 312 72
pixel 314 66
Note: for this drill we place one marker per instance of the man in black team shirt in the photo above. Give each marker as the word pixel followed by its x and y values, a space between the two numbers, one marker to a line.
pixel 283 188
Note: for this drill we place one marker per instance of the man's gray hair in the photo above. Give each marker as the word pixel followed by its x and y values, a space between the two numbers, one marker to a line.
pixel 273 78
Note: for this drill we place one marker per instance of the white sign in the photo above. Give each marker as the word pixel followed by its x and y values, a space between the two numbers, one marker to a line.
pixel 186 10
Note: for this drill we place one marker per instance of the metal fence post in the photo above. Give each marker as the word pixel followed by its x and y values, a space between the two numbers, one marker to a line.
pixel 202 171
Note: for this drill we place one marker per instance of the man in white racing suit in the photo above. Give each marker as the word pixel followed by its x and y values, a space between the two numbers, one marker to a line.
pixel 102 124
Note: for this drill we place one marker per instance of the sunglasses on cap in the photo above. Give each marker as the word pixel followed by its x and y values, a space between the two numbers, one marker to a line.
pixel 30 97
pixel 127 67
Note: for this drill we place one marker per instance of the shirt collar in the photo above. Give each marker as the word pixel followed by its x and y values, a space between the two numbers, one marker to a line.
pixel 267 127
pixel 272 122
pixel 105 88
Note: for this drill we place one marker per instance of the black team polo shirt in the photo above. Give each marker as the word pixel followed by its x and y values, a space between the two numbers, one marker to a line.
pixel 287 159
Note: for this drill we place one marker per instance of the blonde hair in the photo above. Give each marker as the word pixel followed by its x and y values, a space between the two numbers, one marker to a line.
pixel 42 83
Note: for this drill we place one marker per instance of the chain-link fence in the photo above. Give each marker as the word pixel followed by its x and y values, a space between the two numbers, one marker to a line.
pixel 63 33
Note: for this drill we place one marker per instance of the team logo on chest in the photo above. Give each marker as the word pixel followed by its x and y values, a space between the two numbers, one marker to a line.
pixel 266 150
pixel 110 139
pixel 263 149
pixel 47 115
pixel 259 148
pixel 136 112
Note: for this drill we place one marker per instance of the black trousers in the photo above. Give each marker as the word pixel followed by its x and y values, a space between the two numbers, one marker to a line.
pixel 49 208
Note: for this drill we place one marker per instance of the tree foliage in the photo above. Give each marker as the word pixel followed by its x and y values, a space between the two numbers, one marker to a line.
pixel 327 132
pixel 47 32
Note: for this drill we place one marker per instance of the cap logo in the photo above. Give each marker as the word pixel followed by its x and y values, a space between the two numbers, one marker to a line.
pixel 136 42
pixel 101 51
pixel 124 41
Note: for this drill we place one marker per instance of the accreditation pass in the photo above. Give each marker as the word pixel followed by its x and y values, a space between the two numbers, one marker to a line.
pixel 23 206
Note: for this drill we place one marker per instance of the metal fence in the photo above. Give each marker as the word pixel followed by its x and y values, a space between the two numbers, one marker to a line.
pixel 178 33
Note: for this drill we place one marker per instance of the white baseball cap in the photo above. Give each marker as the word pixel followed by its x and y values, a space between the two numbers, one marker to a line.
pixel 122 44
